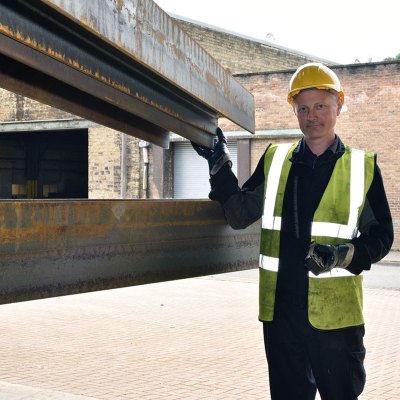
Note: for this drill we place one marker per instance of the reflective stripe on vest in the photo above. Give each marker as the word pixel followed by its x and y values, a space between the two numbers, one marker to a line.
pixel 272 264
pixel 269 263
pixel 269 221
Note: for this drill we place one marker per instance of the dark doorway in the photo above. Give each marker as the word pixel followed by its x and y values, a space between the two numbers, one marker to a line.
pixel 46 164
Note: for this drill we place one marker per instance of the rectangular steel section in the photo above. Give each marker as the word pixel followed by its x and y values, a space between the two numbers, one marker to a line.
pixel 145 32
pixel 53 248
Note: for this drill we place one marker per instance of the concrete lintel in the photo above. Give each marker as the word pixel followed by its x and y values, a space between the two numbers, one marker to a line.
pixel 46 125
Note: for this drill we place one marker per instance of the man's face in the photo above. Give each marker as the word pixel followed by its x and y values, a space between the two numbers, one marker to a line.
pixel 316 111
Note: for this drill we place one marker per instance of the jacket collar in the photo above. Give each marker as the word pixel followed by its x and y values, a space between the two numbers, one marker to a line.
pixel 336 150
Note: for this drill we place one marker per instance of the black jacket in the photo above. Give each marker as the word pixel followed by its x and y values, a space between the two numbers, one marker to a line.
pixel 307 181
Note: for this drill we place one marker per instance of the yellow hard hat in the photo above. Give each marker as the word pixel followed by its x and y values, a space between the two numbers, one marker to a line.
pixel 314 75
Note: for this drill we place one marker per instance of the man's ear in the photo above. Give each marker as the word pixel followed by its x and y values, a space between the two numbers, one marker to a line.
pixel 339 105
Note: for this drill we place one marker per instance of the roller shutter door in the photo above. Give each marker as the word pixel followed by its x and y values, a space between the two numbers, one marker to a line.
pixel 191 171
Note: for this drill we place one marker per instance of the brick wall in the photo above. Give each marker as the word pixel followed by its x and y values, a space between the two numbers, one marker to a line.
pixel 104 163
pixel 240 54
pixel 105 175
pixel 134 172
pixel 15 107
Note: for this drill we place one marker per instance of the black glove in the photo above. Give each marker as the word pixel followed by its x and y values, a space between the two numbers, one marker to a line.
pixel 323 257
pixel 218 155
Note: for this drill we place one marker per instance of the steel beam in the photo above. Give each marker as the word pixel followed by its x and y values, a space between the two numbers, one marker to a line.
pixel 122 64
pixel 127 65
pixel 54 248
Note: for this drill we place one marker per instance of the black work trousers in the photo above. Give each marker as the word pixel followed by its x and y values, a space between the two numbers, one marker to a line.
pixel 302 359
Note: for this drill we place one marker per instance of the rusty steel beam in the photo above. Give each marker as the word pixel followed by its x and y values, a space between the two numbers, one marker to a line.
pixel 122 64
pixel 54 248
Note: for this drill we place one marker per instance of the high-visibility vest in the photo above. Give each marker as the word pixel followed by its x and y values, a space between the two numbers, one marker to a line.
pixel 335 297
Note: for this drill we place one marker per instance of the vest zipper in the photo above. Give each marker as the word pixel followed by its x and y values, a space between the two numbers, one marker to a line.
pixel 295 207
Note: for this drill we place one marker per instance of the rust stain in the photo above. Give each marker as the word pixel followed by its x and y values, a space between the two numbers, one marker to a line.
pixel 90 24
pixel 33 43
pixel 164 109
pixel 120 4
pixel 62 226
pixel 5 29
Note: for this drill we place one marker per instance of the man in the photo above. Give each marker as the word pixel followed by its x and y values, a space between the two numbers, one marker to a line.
pixel 325 219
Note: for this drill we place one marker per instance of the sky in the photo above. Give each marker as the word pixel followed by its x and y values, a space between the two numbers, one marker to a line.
pixel 342 31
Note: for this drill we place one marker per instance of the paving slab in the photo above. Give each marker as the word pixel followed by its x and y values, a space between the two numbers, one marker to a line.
pixel 187 339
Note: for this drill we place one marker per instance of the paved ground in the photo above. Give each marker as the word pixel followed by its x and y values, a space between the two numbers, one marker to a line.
pixel 188 339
